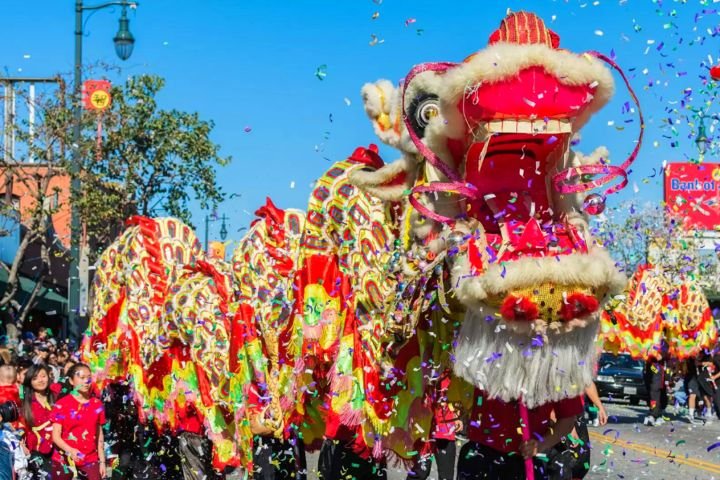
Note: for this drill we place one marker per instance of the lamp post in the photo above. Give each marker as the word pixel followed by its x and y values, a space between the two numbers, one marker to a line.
pixel 223 230
pixel 124 42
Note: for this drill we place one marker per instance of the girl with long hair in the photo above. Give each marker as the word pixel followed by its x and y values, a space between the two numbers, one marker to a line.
pixel 77 430
pixel 38 401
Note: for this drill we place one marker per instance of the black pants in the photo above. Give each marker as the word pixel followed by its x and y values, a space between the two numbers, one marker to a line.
pixel 274 459
pixel 445 459
pixel 716 401
pixel 570 460
pixel 134 466
pixel 479 462
pixel 39 466
pixel 196 457
pixel 707 387
pixel 658 393
pixel 581 465
pixel 337 462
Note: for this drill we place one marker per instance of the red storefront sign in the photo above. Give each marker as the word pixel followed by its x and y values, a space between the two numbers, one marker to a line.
pixel 692 193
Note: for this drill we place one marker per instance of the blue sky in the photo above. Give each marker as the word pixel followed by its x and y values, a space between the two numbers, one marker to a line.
pixel 251 65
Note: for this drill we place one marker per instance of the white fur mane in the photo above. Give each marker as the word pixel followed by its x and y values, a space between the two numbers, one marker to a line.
pixel 508 366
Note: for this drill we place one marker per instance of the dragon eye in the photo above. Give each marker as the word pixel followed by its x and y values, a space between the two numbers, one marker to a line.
pixel 424 108
pixel 427 111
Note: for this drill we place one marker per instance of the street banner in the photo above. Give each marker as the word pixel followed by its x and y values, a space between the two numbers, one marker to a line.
pixel 96 94
pixel 217 250
pixel 692 194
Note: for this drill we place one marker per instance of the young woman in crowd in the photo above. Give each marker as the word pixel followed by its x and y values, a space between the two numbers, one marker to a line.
pixel 37 410
pixel 77 430
pixel 63 385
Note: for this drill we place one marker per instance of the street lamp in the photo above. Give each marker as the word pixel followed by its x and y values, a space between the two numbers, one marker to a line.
pixel 124 42
pixel 223 230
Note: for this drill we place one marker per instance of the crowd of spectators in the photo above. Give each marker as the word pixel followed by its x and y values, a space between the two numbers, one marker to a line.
pixel 693 388
pixel 56 424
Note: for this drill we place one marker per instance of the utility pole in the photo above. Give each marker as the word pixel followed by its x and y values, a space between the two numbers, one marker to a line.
pixel 124 42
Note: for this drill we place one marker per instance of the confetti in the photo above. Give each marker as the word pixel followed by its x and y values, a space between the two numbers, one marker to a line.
pixel 321 72
pixel 617 432
pixel 374 40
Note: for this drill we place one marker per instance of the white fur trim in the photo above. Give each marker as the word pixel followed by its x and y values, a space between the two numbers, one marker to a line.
pixel 383 98
pixel 373 181
pixel 600 153
pixel 436 141
pixel 424 82
pixel 595 269
pixel 376 97
pixel 504 60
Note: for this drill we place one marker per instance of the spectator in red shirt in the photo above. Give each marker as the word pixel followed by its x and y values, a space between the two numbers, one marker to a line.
pixel 37 409
pixel 9 390
pixel 496 448
pixel 77 430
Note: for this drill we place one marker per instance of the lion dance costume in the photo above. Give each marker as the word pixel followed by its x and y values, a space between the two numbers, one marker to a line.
pixel 466 261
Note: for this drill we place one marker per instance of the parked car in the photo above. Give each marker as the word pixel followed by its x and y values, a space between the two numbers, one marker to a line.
pixel 621 377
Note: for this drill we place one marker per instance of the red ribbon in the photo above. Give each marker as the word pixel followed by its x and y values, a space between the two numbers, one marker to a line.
pixel 455 184
pixel 562 181
pixel 467 190
pixel 525 430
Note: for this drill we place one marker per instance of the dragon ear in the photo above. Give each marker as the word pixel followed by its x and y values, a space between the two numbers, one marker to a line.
pixel 382 104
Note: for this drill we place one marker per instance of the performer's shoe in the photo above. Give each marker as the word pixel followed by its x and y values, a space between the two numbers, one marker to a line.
pixel 649 421
pixel 692 420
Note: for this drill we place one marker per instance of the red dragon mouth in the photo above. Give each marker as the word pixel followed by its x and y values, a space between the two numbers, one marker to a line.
pixel 519 131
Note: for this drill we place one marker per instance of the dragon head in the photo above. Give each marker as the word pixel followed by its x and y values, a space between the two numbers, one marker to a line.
pixel 493 189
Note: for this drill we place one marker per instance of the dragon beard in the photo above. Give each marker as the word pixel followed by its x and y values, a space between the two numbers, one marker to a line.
pixel 508 365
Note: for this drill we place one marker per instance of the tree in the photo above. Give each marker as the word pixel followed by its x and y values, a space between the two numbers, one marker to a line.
pixel 640 234
pixel 153 162
pixel 30 198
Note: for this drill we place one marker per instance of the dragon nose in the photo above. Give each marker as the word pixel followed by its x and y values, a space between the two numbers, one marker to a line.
pixel 519 309
pixel 552 303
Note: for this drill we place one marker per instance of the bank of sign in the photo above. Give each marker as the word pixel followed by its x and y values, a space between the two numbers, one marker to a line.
pixel 692 193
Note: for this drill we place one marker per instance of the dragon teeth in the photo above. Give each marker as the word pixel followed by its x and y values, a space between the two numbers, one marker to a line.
pixel 528 126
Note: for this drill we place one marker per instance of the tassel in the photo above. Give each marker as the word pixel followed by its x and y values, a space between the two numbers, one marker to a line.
pixel 377 450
